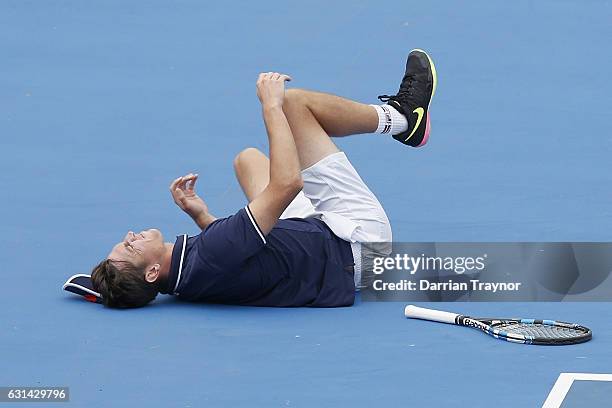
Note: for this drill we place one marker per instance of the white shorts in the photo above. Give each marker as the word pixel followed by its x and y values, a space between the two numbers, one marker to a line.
pixel 334 193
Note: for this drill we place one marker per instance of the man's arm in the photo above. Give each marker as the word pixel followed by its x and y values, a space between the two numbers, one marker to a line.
pixel 285 176
pixel 184 195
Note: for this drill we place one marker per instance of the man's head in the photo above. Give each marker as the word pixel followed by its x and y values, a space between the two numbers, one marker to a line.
pixel 131 274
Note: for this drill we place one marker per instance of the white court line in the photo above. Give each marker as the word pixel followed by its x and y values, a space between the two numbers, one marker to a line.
pixel 563 384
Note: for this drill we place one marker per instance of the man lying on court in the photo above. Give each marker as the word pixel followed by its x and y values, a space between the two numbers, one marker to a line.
pixel 298 241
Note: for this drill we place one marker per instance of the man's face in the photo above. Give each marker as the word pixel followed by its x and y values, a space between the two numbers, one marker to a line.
pixel 144 248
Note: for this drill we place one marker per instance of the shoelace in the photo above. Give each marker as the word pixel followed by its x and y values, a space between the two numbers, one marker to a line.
pixel 403 92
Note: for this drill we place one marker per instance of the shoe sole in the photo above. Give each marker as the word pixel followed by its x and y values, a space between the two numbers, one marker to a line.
pixel 433 92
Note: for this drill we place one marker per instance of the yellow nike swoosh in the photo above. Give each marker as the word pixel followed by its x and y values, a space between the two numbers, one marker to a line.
pixel 420 112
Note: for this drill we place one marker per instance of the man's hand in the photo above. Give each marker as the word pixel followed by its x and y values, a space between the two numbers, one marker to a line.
pixel 271 89
pixel 184 195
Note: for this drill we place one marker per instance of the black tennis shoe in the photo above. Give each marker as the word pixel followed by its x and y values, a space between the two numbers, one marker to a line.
pixel 413 98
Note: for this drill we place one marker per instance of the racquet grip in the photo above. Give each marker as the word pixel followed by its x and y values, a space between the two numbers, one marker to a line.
pixel 415 312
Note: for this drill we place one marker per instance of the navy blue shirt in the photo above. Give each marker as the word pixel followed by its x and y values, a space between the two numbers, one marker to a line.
pixel 299 263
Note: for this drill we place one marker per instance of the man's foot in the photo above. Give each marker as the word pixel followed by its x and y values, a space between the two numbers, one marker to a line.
pixel 413 98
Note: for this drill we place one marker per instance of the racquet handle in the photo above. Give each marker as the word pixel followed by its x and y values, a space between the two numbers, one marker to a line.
pixel 415 312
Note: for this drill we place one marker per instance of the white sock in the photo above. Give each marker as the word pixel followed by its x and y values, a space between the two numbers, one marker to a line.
pixel 390 120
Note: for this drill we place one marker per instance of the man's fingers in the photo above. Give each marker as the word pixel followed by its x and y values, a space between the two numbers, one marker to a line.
pixel 181 182
pixel 191 185
pixel 272 76
pixel 267 75
pixel 178 196
pixel 175 183
pixel 184 180
pixel 187 185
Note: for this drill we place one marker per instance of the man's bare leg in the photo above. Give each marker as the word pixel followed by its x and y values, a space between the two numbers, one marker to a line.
pixel 252 169
pixel 314 117
pixel 338 116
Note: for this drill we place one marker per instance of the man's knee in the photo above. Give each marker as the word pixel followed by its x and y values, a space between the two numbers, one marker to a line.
pixel 248 155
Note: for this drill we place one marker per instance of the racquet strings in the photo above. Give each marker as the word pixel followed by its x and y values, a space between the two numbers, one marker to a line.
pixel 541 330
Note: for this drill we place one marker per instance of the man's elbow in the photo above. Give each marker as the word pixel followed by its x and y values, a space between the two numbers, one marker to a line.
pixel 289 186
pixel 297 184
pixel 294 185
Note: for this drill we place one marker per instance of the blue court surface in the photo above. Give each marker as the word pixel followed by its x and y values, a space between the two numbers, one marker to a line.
pixel 103 103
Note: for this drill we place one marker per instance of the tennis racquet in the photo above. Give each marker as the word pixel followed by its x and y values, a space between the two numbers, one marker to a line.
pixel 524 331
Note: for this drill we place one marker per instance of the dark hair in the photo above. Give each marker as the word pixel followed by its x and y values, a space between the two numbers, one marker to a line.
pixel 122 284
